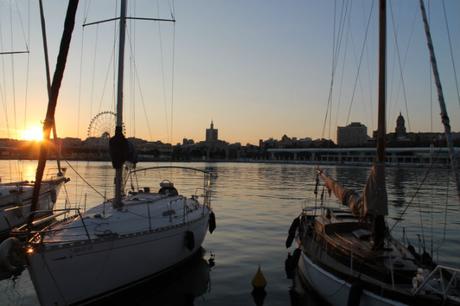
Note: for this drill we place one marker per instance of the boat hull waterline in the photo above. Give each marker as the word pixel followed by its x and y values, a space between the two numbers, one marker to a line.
pixel 89 271
pixel 334 290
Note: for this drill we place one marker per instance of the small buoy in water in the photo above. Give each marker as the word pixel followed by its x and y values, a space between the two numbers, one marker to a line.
pixel 212 222
pixel 259 281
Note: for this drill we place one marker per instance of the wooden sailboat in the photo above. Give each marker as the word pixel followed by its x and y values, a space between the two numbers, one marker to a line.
pixel 121 241
pixel 347 254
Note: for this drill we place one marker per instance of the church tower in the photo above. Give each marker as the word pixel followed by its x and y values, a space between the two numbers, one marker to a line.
pixel 211 133
pixel 400 129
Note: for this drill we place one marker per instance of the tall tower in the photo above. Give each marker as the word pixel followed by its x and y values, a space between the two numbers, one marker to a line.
pixel 211 133
pixel 400 129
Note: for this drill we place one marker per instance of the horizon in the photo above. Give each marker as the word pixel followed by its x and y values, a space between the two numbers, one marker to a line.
pixel 234 63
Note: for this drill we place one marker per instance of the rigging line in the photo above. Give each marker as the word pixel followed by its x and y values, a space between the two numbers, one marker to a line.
pixel 93 72
pixel 371 82
pixel 162 70
pixel 83 179
pixel 114 64
pixel 450 50
pixel 4 98
pixel 22 24
pixel 27 66
pixel 13 84
pixel 132 76
pixel 398 53
pixel 172 78
pixel 343 72
pixel 109 66
pixel 360 61
pixel 431 77
pixel 79 99
pixel 413 196
pixel 335 53
pixel 140 92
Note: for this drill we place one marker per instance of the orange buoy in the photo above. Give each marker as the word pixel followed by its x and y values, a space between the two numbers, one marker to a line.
pixel 259 281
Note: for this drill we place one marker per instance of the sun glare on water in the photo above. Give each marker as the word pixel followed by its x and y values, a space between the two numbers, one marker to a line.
pixel 33 133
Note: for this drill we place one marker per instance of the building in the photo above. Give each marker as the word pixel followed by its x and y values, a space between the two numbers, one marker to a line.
pixel 354 134
pixel 400 129
pixel 212 134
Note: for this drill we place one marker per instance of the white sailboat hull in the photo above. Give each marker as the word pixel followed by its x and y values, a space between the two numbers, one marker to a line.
pixel 333 289
pixel 15 207
pixel 88 271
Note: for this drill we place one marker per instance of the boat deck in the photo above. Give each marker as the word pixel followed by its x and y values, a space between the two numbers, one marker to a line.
pixel 140 212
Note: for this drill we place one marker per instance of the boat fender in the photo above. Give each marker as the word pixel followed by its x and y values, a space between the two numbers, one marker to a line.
pixel 189 240
pixel 354 297
pixel 411 250
pixel 427 260
pixel 11 255
pixel 53 195
pixel 212 222
pixel 292 231
pixel 291 262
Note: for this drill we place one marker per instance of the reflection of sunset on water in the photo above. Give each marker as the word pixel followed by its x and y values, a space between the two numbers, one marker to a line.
pixel 28 171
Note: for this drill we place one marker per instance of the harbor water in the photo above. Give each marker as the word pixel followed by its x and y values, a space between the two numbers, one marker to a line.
pixel 255 204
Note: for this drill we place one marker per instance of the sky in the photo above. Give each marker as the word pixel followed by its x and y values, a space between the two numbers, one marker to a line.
pixel 257 68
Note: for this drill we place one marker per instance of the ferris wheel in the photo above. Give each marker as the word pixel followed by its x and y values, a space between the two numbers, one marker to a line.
pixel 103 125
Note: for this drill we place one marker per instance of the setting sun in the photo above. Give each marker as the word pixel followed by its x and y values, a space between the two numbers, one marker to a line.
pixel 33 133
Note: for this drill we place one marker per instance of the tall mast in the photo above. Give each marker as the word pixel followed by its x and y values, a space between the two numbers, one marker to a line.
pixel 444 117
pixel 48 82
pixel 381 129
pixel 375 194
pixel 52 100
pixel 119 128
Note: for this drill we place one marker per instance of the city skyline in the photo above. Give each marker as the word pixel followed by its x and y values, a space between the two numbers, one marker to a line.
pixel 259 69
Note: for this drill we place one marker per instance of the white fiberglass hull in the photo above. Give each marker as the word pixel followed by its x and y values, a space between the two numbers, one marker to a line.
pixel 88 271
pixel 15 206
pixel 333 289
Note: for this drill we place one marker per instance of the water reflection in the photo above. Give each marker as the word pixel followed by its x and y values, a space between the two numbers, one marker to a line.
pixel 179 287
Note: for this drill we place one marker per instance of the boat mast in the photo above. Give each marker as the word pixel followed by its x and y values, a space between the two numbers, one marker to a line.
pixel 48 82
pixel 444 117
pixel 119 127
pixel 381 128
pixel 52 101
pixel 379 210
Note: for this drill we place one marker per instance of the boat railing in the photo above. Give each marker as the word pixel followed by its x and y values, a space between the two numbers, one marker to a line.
pixel 56 213
pixel 53 173
pixel 442 280
pixel 207 175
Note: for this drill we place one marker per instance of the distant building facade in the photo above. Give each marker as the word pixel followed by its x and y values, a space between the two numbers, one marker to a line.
pixel 400 129
pixel 354 134
pixel 212 134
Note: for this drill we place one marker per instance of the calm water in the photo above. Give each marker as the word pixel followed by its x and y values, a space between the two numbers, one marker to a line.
pixel 254 206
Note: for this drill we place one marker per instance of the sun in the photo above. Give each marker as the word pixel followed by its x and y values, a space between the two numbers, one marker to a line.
pixel 33 133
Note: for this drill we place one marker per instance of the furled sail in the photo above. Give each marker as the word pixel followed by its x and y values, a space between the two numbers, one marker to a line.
pixel 374 198
pixel 348 197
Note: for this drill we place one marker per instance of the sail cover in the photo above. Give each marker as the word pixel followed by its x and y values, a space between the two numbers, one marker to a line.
pixel 348 197
pixel 374 198
pixel 375 192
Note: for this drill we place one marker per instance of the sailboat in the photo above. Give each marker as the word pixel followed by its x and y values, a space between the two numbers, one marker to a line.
pixel 122 241
pixel 17 197
pixel 16 200
pixel 349 257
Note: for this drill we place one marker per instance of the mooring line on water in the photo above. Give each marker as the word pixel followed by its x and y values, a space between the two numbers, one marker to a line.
pixel 83 179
